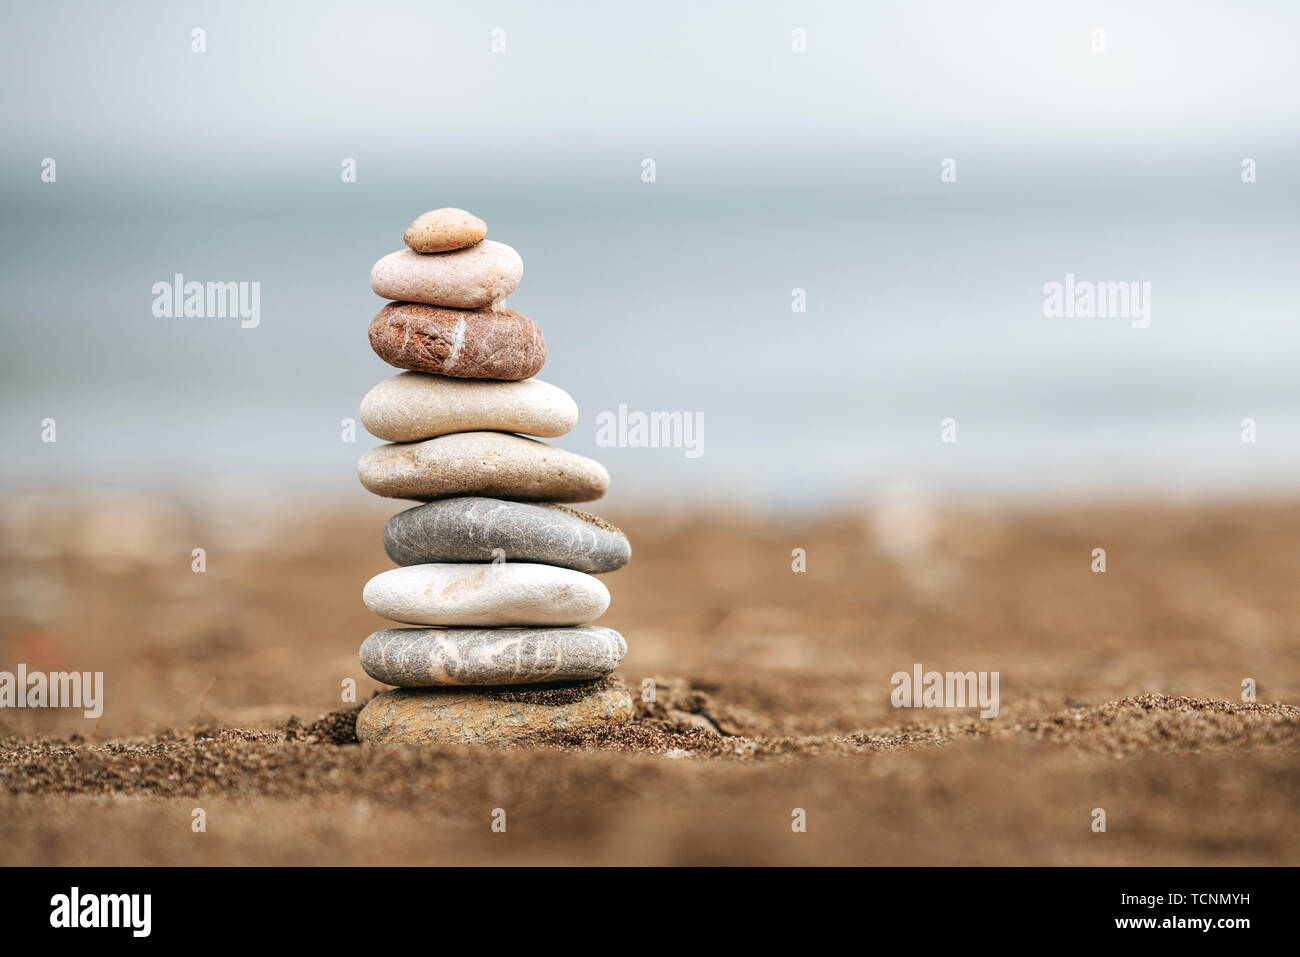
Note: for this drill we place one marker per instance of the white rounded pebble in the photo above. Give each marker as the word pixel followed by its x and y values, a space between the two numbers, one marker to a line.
pixel 501 595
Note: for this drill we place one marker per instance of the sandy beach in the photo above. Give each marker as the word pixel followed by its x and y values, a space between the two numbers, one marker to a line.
pixel 1120 691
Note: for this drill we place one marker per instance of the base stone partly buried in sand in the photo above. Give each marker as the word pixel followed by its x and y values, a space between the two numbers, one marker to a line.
pixel 493 716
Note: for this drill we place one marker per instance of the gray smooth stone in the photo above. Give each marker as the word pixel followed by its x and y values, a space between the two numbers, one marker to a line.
pixel 470 528
pixel 436 657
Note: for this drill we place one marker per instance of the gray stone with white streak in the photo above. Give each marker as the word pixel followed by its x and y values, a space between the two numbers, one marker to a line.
pixel 436 657
pixel 477 529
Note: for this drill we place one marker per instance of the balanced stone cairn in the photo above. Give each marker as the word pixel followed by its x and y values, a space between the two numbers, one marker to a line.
pixel 496 571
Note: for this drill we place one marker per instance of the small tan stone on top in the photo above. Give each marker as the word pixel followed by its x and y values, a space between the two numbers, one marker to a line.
pixel 441 230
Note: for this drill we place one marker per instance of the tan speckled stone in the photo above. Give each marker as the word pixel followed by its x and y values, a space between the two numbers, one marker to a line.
pixel 492 716
pixel 441 230
pixel 414 406
pixel 470 278
pixel 495 464
pixel 464 343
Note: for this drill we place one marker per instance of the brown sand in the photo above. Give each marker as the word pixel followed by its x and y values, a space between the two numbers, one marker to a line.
pixel 1119 691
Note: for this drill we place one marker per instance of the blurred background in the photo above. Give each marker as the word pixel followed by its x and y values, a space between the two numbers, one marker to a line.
pixel 775 170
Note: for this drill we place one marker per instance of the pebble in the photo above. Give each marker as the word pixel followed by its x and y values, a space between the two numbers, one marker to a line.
pixel 413 406
pixel 441 230
pixel 430 657
pixel 470 278
pixel 494 716
pixel 466 344
pixel 475 529
pixel 506 594
pixel 482 463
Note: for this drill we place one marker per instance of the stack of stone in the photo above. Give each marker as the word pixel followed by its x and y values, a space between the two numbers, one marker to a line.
pixel 498 575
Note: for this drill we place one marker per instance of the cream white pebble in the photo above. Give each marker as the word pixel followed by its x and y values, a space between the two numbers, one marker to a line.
pixel 500 595
pixel 415 405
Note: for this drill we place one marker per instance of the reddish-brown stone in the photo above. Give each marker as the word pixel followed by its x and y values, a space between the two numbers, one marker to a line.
pixel 465 343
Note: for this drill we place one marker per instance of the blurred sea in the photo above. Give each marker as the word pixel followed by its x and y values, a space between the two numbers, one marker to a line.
pixel 910 319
